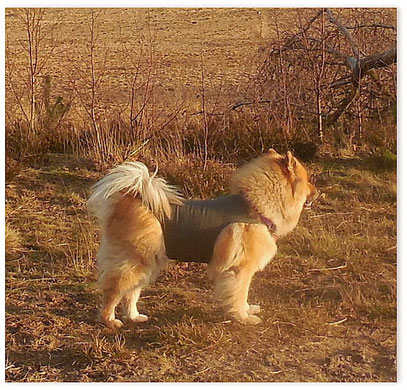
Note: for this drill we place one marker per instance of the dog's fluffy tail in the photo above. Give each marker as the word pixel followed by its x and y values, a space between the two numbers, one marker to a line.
pixel 135 179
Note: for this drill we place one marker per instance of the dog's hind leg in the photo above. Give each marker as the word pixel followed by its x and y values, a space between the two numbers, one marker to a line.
pixel 131 299
pixel 111 298
pixel 147 274
pixel 130 257
pixel 125 285
pixel 122 274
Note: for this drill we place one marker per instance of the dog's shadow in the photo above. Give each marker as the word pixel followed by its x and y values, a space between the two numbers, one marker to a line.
pixel 164 327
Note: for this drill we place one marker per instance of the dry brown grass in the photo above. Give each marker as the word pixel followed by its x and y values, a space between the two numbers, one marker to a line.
pixel 12 239
pixel 328 298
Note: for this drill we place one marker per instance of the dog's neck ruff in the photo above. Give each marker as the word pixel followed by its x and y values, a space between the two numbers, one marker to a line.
pixel 271 226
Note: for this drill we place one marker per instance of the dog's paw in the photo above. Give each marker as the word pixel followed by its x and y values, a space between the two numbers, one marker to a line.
pixel 140 318
pixel 247 319
pixel 252 320
pixel 254 309
pixel 113 324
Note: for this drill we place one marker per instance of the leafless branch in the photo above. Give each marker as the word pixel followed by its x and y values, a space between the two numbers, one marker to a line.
pixel 378 60
pixel 290 43
pixel 372 25
pixel 344 31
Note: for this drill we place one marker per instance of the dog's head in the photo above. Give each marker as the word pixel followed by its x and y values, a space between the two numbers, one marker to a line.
pixel 297 176
pixel 276 186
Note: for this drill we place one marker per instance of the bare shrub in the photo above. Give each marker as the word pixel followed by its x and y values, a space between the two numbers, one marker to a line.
pixel 333 76
pixel 34 116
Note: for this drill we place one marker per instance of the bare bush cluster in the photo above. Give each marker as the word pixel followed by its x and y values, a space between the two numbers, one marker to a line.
pixel 333 79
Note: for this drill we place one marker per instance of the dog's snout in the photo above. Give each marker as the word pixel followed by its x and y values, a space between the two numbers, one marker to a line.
pixel 313 192
pixel 313 195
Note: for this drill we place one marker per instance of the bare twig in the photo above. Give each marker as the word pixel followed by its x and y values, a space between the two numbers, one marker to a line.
pixel 337 322
pixel 240 104
pixel 204 117
pixel 328 268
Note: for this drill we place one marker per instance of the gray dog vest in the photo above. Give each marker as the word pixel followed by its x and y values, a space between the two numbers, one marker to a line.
pixel 194 226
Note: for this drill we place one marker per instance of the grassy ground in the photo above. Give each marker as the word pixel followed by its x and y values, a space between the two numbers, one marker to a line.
pixel 328 298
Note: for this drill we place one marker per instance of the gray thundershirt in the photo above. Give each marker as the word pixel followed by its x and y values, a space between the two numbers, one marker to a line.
pixel 194 226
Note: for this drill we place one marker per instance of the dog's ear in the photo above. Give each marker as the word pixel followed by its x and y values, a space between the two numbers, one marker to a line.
pixel 273 153
pixel 290 163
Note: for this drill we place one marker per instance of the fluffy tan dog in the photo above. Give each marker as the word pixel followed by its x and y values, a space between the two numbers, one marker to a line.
pixel 145 221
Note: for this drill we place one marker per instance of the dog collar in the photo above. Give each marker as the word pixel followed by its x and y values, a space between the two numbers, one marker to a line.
pixel 268 222
pixel 270 225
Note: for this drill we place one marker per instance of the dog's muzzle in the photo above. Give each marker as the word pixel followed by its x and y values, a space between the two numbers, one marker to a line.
pixel 311 198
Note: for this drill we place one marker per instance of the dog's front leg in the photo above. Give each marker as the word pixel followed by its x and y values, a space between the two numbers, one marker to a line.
pixel 235 285
pixel 240 251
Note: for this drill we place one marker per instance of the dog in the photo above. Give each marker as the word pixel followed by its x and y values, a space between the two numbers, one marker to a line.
pixel 145 222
